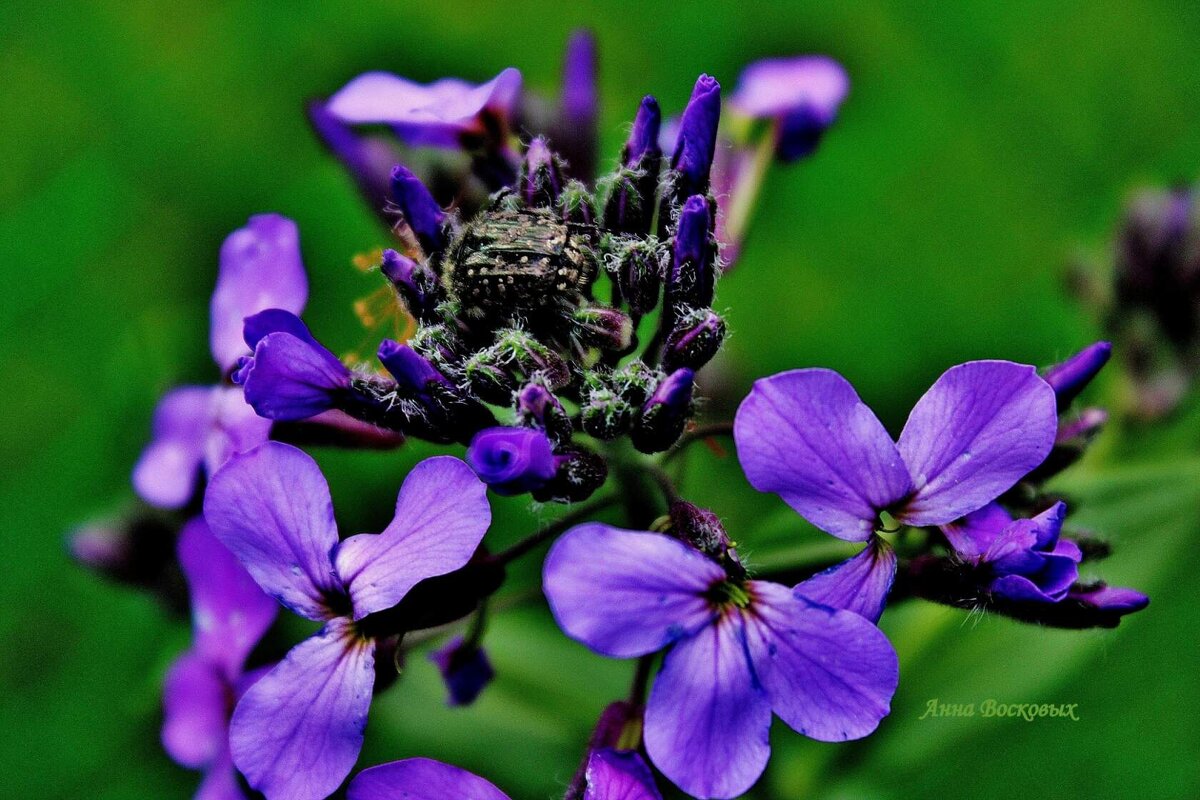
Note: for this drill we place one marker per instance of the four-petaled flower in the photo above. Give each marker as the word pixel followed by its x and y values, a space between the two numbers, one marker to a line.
pixel 739 650
pixel 296 733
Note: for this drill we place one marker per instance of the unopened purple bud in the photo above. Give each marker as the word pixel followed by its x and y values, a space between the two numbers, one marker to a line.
pixel 606 328
pixel 422 213
pixel 666 413
pixel 639 275
pixel 606 414
pixel 691 279
pixel 1070 377
pixel 696 339
pixel 538 407
pixel 702 529
pixel 642 144
pixel 512 460
pixel 578 205
pixel 580 473
pixel 1083 428
pixel 697 142
pixel 1114 599
pixel 411 370
pixel 465 669
pixel 541 179
pixel 575 134
pixel 414 282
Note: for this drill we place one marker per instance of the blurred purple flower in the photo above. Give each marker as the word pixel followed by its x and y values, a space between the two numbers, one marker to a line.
pixel 229 616
pixel 739 650
pixel 465 670
pixel 800 95
pixel 296 733
pixel 260 268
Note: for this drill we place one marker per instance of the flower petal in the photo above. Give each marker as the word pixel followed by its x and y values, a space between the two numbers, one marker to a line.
pixel 972 535
pixel 979 429
pixel 442 514
pixel 271 508
pixel 708 720
pixel 296 733
pixel 260 268
pixel 291 378
pixel 195 711
pixel 420 779
pixel 229 612
pixel 859 584
pixel 220 780
pixel 829 674
pixel 807 436
pixel 614 775
pixel 165 475
pixel 627 593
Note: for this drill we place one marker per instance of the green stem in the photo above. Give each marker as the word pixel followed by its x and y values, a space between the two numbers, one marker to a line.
pixel 554 529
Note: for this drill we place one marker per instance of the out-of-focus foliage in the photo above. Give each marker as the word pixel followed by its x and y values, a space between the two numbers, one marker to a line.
pixel 978 147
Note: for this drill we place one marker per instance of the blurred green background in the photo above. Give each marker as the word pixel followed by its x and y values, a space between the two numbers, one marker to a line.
pixel 981 144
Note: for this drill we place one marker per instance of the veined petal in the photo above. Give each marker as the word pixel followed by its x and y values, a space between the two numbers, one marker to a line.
pixel 627 593
pixel 859 584
pixel 442 514
pixel 979 429
pixel 235 428
pixel 195 711
pixel 165 475
pixel 708 720
pixel 229 612
pixel 617 775
pixel 420 779
pixel 260 268
pixel 296 733
pixel 271 507
pixel 807 436
pixel 829 674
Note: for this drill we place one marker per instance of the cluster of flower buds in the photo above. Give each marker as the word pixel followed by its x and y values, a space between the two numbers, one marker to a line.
pixel 1151 306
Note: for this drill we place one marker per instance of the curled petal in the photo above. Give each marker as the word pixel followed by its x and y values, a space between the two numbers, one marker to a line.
pixel 627 593
pixel 860 584
pixel 291 378
pixel 260 268
pixel 807 436
pixel 972 535
pixel 271 507
pixel 420 779
pixel 979 429
pixel 296 733
pixel 829 674
pixel 442 514
pixel 165 475
pixel 708 719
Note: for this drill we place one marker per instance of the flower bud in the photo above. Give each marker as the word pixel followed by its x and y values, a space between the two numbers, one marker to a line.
pixel 641 148
pixel 1072 376
pixel 578 205
pixel 697 140
pixel 537 407
pixel 691 278
pixel 487 379
pixel 415 283
pixel 422 213
pixel 639 274
pixel 702 529
pixel 605 414
pixel 606 328
pixel 411 370
pixel 519 352
pixel 635 382
pixel 512 460
pixel 541 179
pixel 696 339
pixel 290 376
pixel 438 344
pixel 465 670
pixel 574 133
pixel 666 413
pixel 580 473
pixel 137 550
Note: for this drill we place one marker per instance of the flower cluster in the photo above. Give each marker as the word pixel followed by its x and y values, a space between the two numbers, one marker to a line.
pixel 559 325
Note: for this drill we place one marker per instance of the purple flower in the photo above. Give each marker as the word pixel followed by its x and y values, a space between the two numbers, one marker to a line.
pixel 1026 558
pixel 512 460
pixel 739 650
pixel 297 732
pixel 229 616
pixel 800 95
pixel 465 670
pixel 575 133
pixel 610 776
pixel 291 375
pixel 807 436
pixel 446 113
pixel 260 268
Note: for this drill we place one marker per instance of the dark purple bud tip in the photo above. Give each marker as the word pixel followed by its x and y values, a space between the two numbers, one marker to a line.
pixel 696 339
pixel 666 413
pixel 606 328
pixel 422 213
pixel 697 142
pixel 702 529
pixel 640 274
pixel 537 407
pixel 580 473
pixel 692 276
pixel 541 180
pixel 411 370
pixel 512 460
pixel 465 669
pixel 1072 376
pixel 414 282
pixel 642 144
pixel 800 132
pixel 605 414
